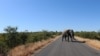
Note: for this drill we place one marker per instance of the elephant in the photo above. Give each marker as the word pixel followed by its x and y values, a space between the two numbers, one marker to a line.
pixel 69 34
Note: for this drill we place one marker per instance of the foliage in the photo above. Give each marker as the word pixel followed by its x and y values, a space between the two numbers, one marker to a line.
pixel 13 38
pixel 91 35
pixel 23 37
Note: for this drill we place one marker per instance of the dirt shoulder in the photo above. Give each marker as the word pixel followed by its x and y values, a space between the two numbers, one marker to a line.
pixel 30 48
pixel 91 42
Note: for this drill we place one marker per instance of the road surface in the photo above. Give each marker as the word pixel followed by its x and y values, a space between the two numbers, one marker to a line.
pixel 59 48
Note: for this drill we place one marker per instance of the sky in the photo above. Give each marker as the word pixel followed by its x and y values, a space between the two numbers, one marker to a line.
pixel 52 15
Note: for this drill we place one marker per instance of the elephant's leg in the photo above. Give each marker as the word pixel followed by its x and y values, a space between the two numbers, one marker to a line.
pixel 68 38
pixel 65 38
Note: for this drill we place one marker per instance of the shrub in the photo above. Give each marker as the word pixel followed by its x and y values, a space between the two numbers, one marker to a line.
pixel 90 35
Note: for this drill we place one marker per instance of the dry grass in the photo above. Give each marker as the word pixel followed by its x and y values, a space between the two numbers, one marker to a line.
pixel 92 43
pixel 30 48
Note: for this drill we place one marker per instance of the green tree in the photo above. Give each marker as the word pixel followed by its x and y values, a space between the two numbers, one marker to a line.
pixel 12 34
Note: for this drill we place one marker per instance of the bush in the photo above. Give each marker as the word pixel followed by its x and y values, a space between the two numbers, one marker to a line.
pixel 90 35
pixel 23 37
pixel 3 48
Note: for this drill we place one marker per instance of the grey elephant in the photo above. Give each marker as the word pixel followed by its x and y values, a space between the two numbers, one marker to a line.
pixel 68 34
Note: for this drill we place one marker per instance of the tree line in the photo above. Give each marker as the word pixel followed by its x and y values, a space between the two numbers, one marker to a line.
pixel 90 35
pixel 13 38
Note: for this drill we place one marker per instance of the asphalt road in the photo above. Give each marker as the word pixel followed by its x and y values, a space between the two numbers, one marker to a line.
pixel 59 48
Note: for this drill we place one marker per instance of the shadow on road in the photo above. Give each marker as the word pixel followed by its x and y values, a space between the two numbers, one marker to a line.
pixel 78 41
pixel 75 41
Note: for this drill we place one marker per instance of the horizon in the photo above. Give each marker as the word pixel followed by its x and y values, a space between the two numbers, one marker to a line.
pixel 51 15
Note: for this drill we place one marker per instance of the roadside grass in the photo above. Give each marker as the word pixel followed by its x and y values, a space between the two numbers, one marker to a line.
pixel 30 48
pixel 91 42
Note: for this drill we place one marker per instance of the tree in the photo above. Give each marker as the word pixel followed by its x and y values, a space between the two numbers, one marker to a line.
pixel 11 39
